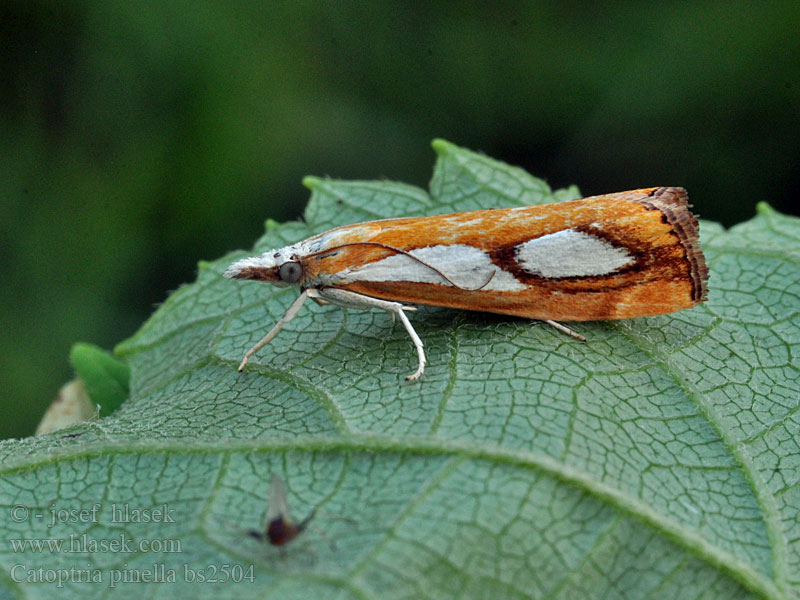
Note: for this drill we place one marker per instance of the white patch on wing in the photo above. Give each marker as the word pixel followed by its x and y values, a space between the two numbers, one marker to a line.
pixel 464 265
pixel 571 253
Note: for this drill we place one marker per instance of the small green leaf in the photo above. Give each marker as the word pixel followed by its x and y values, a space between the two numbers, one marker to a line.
pixel 658 460
pixel 106 378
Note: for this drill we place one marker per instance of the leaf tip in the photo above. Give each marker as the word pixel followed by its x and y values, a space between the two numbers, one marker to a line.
pixel 442 147
pixel 571 192
pixel 764 209
pixel 124 347
pixel 312 182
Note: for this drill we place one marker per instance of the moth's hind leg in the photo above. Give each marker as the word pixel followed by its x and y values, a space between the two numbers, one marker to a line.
pixel 565 329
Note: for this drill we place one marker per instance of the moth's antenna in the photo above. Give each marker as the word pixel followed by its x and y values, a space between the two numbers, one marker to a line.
pixel 412 257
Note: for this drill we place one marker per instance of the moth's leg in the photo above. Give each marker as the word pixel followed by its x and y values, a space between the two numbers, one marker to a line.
pixel 405 308
pixel 290 314
pixel 565 329
pixel 417 344
pixel 353 300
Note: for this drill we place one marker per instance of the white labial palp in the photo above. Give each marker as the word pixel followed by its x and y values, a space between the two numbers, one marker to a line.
pixel 345 299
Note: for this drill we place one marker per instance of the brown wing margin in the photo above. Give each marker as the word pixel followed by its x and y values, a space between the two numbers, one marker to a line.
pixel 673 202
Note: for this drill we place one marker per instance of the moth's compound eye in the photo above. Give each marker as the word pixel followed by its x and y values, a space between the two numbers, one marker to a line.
pixel 290 272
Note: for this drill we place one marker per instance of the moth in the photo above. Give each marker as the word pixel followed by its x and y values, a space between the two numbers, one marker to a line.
pixel 616 256
pixel 281 529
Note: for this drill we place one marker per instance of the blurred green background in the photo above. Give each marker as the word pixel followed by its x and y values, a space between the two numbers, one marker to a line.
pixel 139 138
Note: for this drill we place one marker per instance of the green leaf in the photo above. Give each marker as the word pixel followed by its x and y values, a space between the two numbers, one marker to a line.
pixel 105 377
pixel 658 460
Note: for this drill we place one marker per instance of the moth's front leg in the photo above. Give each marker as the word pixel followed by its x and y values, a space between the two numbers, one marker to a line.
pixel 290 314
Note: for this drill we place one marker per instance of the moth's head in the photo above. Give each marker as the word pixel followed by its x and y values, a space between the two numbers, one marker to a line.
pixel 278 267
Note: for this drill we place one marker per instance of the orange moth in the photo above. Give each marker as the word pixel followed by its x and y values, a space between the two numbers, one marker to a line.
pixel 617 256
